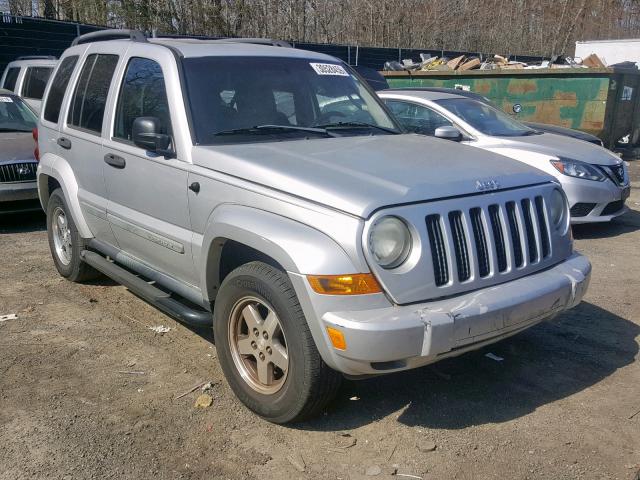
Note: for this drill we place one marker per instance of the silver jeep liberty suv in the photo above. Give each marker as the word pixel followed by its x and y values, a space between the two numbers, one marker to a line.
pixel 266 191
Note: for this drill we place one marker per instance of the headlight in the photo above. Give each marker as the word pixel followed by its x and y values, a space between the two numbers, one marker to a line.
pixel 578 169
pixel 557 208
pixel 390 242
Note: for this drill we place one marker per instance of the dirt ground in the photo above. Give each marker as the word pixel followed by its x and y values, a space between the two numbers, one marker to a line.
pixel 87 390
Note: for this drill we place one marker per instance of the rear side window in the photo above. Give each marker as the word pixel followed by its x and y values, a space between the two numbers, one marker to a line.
pixel 143 94
pixel 58 89
pixel 35 81
pixel 11 78
pixel 90 97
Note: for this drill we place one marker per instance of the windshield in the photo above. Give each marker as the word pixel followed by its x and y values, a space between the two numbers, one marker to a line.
pixel 484 118
pixel 231 96
pixel 15 115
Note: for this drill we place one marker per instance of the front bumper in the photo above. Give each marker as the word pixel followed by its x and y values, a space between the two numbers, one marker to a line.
pixel 392 338
pixel 600 198
pixel 19 197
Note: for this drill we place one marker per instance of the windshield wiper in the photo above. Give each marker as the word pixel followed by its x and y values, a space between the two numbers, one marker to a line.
pixel 348 125
pixel 531 132
pixel 259 129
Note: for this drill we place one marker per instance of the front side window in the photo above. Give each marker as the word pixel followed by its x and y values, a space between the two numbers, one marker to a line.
pixel 417 118
pixel 11 78
pixel 15 115
pixel 58 89
pixel 90 97
pixel 485 118
pixel 143 94
pixel 302 98
pixel 35 81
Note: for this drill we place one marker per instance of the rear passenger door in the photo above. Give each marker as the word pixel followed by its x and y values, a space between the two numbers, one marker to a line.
pixel 80 138
pixel 148 205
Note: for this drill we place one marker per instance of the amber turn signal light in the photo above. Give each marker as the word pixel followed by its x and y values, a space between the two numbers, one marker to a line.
pixel 337 338
pixel 355 284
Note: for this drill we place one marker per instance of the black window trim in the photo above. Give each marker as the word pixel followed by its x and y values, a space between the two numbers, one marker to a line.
pixel 112 128
pixel 66 123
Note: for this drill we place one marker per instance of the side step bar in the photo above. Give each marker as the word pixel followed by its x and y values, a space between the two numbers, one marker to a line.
pixel 155 296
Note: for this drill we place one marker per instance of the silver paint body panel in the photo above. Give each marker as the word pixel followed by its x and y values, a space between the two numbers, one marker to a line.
pixel 307 204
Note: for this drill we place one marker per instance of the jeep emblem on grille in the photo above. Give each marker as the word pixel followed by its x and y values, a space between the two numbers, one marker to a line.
pixel 487 185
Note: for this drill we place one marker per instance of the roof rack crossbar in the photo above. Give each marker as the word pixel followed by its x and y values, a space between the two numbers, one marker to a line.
pixel 111 34
pixel 36 57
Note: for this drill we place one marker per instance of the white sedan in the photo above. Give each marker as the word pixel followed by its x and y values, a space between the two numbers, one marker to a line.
pixel 595 180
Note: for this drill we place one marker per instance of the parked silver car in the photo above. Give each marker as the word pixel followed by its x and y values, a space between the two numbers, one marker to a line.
pixel 317 243
pixel 18 189
pixel 28 77
pixel 595 180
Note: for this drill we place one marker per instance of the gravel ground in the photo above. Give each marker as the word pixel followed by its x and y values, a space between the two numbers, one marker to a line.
pixel 87 390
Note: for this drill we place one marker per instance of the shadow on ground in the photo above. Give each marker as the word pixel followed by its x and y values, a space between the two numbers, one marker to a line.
pixel 23 222
pixel 546 363
pixel 627 223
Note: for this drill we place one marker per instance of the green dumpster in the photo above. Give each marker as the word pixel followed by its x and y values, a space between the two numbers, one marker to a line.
pixel 601 101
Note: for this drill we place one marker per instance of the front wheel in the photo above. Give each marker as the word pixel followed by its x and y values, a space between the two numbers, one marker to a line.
pixel 265 347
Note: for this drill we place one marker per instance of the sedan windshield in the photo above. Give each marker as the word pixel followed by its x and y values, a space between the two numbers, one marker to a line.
pixel 15 115
pixel 255 99
pixel 484 118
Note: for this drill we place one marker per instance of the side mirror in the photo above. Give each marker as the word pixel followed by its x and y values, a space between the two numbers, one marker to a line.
pixel 448 133
pixel 146 134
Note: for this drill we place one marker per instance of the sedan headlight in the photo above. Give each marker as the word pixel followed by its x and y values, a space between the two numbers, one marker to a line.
pixel 578 169
pixel 390 242
pixel 557 208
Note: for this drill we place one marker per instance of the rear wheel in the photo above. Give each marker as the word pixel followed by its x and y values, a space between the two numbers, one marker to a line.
pixel 65 242
pixel 266 349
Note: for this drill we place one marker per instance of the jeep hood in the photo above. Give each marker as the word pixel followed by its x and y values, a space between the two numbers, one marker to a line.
pixel 360 174
pixel 557 146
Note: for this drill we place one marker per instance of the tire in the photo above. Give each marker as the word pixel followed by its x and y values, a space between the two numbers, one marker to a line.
pixel 64 241
pixel 308 384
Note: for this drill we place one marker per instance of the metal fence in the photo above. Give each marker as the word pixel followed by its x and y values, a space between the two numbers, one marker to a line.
pixel 37 36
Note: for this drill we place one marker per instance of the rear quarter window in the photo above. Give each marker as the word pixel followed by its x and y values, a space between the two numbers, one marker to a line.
pixel 11 78
pixel 58 89
pixel 35 81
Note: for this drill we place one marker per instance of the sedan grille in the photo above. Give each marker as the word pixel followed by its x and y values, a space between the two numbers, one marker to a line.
pixel 618 173
pixel 491 239
pixel 18 172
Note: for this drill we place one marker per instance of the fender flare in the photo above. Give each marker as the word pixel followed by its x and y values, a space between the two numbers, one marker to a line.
pixel 58 168
pixel 297 247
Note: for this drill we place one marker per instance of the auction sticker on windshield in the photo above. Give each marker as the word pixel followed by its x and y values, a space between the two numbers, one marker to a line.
pixel 6 100
pixel 329 69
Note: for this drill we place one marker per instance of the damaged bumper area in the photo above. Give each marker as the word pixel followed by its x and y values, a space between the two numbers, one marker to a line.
pixel 396 338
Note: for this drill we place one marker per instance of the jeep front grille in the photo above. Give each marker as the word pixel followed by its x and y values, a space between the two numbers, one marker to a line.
pixel 18 172
pixel 492 238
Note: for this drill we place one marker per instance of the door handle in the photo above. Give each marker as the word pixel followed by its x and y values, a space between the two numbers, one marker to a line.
pixel 64 143
pixel 115 160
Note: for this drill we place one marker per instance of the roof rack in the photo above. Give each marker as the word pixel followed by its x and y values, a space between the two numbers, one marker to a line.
pixel 257 41
pixel 111 34
pixel 36 57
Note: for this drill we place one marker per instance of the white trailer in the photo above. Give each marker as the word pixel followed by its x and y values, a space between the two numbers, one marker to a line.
pixel 611 51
